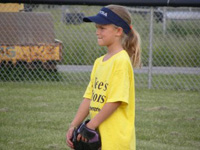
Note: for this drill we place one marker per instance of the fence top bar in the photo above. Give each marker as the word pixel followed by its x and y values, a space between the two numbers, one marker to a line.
pixel 171 3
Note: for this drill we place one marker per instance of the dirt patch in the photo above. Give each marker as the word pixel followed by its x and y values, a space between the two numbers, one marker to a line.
pixel 159 108
pixel 191 118
pixel 53 146
pixel 4 109
pixel 175 133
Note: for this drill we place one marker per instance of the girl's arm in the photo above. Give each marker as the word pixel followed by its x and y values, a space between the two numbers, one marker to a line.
pixel 81 114
pixel 105 112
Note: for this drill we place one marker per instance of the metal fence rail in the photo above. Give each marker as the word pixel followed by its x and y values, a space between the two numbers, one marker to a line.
pixel 50 43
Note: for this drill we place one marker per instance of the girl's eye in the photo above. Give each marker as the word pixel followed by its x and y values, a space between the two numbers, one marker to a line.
pixel 100 27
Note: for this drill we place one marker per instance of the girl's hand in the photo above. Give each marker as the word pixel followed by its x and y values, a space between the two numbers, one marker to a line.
pixel 90 126
pixel 80 137
pixel 69 137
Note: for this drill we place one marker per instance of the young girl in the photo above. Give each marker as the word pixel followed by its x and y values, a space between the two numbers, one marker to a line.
pixel 110 95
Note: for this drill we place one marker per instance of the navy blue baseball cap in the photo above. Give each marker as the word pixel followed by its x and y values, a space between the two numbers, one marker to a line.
pixel 107 16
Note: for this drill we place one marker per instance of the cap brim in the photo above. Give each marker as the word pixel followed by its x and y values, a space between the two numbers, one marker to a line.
pixel 98 19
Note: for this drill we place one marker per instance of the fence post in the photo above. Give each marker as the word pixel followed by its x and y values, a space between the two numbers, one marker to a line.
pixel 150 48
pixel 164 20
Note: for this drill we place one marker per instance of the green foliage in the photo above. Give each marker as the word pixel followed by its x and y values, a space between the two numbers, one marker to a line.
pixel 178 46
pixel 184 82
pixel 168 49
pixel 184 28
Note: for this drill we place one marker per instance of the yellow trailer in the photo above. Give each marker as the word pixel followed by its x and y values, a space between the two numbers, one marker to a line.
pixel 47 54
pixel 30 38
pixel 11 7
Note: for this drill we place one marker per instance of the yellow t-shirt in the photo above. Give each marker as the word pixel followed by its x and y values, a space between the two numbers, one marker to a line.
pixel 113 81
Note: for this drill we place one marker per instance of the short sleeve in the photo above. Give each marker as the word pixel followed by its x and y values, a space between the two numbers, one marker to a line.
pixel 120 84
pixel 88 92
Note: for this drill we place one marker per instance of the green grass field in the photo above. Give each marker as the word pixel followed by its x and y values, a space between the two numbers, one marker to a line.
pixel 36 117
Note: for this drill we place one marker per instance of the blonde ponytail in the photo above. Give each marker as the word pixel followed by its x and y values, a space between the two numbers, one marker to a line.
pixel 130 41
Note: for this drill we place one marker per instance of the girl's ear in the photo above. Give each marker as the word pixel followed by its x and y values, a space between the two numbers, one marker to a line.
pixel 119 31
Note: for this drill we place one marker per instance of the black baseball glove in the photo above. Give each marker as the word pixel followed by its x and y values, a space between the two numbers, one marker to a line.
pixel 92 136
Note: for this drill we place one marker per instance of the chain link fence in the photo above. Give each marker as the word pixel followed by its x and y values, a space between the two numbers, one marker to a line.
pixel 50 43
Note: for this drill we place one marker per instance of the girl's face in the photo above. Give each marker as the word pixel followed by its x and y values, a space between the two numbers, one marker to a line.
pixel 106 34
